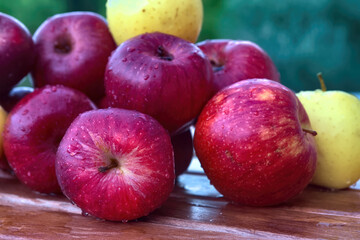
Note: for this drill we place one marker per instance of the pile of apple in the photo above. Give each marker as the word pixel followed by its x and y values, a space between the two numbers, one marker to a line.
pixel 108 126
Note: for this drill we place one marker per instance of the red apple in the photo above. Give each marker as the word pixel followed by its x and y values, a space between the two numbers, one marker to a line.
pixel 234 61
pixel 160 75
pixel 116 164
pixel 103 103
pixel 15 95
pixel 16 52
pixel 253 141
pixel 34 129
pixel 183 151
pixel 8 103
pixel 73 49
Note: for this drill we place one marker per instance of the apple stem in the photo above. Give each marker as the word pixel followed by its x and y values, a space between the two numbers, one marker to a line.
pixel 113 164
pixel 163 54
pixel 322 82
pixel 312 132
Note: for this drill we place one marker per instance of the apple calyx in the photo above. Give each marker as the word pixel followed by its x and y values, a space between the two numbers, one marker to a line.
pixel 312 132
pixel 217 66
pixel 163 54
pixel 322 82
pixel 62 45
pixel 113 164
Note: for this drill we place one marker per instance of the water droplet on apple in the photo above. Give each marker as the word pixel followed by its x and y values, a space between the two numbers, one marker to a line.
pixel 146 77
pixel 130 49
pixel 85 214
pixel 156 66
pixel 29 174
pixel 26 111
pixel 124 60
pixel 53 88
pixel 73 150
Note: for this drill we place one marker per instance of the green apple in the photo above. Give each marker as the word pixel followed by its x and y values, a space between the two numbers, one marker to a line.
pixel 128 18
pixel 2 123
pixel 335 116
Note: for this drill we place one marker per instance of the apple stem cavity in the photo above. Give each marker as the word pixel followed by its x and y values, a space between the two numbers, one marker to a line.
pixel 62 46
pixel 216 66
pixel 163 54
pixel 312 132
pixel 322 82
pixel 113 164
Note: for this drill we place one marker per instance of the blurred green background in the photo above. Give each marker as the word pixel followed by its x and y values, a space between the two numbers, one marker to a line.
pixel 303 37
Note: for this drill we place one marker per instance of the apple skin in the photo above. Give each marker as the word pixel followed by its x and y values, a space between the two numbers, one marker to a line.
pixel 251 145
pixel 142 178
pixel 72 49
pixel 183 151
pixel 16 52
pixel 33 131
pixel 166 77
pixel 15 95
pixel 131 18
pixel 335 115
pixel 235 60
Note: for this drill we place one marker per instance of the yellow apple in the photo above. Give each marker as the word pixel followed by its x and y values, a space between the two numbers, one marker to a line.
pixel 2 123
pixel 335 116
pixel 128 18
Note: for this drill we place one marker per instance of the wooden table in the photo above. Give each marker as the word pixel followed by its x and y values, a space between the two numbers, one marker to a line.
pixel 195 210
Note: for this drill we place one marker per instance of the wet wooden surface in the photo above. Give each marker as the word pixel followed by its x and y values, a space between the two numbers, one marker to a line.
pixel 195 210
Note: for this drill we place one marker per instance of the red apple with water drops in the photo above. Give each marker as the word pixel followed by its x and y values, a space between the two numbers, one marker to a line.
pixel 16 52
pixel 72 49
pixel 34 129
pixel 161 75
pixel 235 60
pixel 255 143
pixel 116 164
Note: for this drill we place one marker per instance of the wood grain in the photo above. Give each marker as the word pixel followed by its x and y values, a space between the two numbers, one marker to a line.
pixel 195 210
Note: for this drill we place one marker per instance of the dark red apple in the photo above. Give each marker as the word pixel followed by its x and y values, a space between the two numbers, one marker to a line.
pixel 116 164
pixel 234 61
pixel 103 103
pixel 160 75
pixel 34 129
pixel 253 141
pixel 72 49
pixel 15 95
pixel 183 151
pixel 16 52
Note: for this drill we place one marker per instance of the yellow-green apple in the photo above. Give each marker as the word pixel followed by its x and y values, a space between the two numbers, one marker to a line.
pixel 335 115
pixel 72 49
pixel 129 18
pixel 16 52
pixel 116 164
pixel 161 75
pixel 235 60
pixel 255 143
pixel 183 151
pixel 3 163
pixel 34 129
pixel 14 96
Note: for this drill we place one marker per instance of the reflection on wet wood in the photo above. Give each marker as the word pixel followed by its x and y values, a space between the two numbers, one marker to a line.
pixel 194 210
